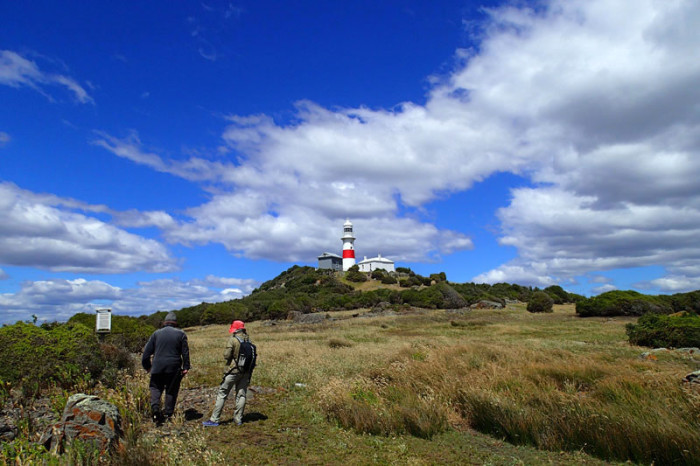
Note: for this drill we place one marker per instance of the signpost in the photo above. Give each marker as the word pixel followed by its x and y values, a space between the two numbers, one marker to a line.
pixel 103 323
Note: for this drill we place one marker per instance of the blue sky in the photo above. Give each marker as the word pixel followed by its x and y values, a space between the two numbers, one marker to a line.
pixel 154 155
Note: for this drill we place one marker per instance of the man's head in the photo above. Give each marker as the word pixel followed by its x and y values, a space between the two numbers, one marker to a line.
pixel 236 326
pixel 170 319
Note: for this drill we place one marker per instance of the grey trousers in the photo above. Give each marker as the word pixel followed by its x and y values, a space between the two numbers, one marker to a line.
pixel 240 382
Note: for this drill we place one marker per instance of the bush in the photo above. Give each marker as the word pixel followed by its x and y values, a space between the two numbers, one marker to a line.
pixel 540 302
pixel 354 275
pixel 35 357
pixel 558 294
pixel 388 280
pixel 450 298
pixel 663 331
pixel 622 303
pixel 127 332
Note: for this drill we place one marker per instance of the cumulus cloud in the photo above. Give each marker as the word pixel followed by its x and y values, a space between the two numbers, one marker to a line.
pixel 288 206
pixel 595 101
pixel 45 231
pixel 59 299
pixel 612 90
pixel 18 71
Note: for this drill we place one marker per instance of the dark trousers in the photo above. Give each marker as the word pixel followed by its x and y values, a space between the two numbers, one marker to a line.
pixel 168 382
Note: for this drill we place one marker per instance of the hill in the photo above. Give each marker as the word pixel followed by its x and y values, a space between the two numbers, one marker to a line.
pixel 306 290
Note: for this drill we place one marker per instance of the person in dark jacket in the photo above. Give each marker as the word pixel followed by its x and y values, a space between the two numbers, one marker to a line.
pixel 171 361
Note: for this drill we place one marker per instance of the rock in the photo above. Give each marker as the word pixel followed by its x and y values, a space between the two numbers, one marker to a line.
pixel 8 432
pixel 688 350
pixel 382 306
pixel 313 318
pixel 88 418
pixel 485 304
pixel 693 377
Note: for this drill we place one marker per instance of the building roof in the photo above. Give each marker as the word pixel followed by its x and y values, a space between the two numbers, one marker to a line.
pixel 329 254
pixel 379 258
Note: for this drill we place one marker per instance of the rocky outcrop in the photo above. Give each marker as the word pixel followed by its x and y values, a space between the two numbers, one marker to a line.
pixel 485 304
pixel 313 318
pixel 88 418
pixel 693 377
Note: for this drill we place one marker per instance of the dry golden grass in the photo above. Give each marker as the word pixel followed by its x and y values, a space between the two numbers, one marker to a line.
pixel 420 383
pixel 555 381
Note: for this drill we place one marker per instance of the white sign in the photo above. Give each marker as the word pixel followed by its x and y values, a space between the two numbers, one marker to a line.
pixel 103 321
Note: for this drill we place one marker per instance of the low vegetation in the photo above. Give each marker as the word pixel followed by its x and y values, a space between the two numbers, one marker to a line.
pixel 306 290
pixel 540 302
pixel 632 303
pixel 666 331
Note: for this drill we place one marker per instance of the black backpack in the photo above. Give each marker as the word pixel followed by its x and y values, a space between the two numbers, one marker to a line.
pixel 247 355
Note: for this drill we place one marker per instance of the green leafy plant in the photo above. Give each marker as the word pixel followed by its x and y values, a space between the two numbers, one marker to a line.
pixel 662 331
pixel 540 302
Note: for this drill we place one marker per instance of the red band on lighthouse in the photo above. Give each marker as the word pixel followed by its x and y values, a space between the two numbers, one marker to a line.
pixel 348 253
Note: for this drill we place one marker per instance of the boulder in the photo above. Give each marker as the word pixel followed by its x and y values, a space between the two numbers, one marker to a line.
pixel 88 418
pixel 693 377
pixel 485 304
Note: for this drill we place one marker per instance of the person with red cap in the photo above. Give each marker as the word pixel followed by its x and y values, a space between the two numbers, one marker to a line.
pixel 236 375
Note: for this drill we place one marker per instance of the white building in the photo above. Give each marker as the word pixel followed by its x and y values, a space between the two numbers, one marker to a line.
pixel 374 263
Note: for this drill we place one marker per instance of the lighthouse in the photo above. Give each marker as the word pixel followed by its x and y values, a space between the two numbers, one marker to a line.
pixel 348 246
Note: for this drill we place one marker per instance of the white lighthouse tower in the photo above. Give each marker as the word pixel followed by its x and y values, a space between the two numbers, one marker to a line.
pixel 348 246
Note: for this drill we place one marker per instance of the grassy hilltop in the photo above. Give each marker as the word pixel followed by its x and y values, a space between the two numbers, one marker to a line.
pixel 395 384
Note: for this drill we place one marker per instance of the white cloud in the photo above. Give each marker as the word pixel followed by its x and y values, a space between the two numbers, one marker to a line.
pixel 17 71
pixel 612 89
pixel 130 148
pixel 603 288
pixel 58 299
pixel 4 138
pixel 43 231
pixel 594 100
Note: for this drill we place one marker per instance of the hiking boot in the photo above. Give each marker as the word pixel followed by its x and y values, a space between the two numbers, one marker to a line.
pixel 158 419
pixel 210 424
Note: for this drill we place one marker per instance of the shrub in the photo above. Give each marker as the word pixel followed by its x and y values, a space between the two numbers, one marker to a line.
pixel 404 283
pixel 36 357
pixel 622 303
pixel 558 294
pixel 540 302
pixel 127 332
pixel 388 280
pixel 661 331
pixel 354 275
pixel 450 298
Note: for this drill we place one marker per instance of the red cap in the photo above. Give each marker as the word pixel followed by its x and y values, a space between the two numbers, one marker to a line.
pixel 236 325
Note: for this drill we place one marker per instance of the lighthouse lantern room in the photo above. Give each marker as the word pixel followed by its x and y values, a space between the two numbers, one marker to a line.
pixel 348 246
